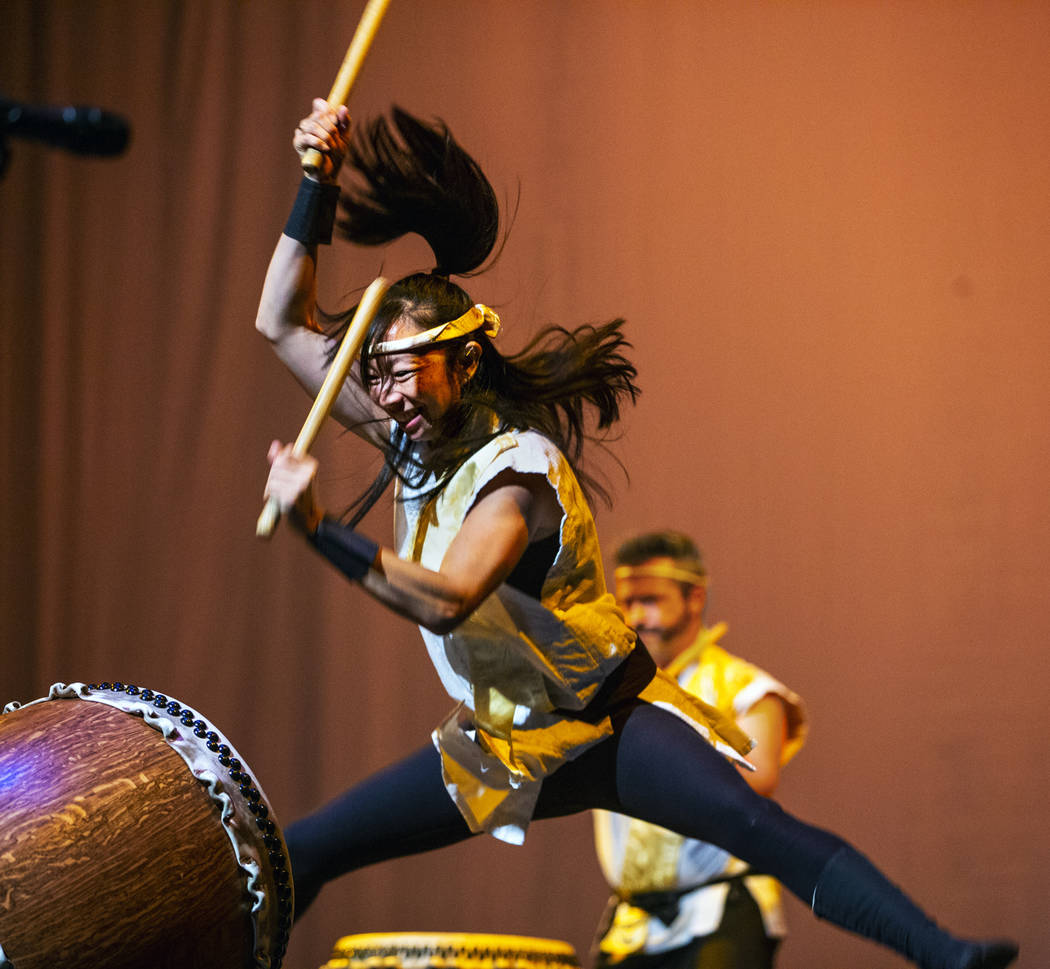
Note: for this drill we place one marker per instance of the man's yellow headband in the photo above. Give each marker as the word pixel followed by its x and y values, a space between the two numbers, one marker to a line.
pixel 478 317
pixel 660 570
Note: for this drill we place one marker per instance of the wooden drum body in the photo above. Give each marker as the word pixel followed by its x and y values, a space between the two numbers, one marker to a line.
pixel 132 835
pixel 449 950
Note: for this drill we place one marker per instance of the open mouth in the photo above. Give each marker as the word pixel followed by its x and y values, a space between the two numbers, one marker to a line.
pixel 412 425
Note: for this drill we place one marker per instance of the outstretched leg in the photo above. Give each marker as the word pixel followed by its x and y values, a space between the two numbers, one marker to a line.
pixel 402 810
pixel 668 775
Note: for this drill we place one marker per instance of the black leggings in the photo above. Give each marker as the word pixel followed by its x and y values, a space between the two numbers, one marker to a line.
pixel 655 767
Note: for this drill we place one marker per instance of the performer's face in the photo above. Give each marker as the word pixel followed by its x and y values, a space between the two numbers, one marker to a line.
pixel 664 614
pixel 415 388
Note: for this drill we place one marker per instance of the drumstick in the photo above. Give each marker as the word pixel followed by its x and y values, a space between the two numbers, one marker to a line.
pixel 333 382
pixel 367 27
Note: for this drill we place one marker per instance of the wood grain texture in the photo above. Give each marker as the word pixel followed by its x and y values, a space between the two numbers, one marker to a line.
pixel 111 852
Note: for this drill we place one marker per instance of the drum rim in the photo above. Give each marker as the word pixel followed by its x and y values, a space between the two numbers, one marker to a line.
pixel 378 942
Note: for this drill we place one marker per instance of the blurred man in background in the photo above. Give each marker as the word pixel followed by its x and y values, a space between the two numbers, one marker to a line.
pixel 679 903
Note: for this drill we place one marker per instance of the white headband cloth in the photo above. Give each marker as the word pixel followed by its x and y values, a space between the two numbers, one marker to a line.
pixel 478 317
pixel 659 571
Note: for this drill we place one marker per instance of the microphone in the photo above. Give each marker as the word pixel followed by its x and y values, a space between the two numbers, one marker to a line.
pixel 80 129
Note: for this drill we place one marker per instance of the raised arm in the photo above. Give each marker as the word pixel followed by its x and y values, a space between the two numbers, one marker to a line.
pixel 287 314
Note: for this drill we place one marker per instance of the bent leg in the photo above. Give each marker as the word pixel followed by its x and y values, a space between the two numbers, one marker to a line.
pixel 402 810
pixel 669 775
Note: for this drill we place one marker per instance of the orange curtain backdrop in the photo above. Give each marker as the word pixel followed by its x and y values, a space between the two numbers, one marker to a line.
pixel 826 224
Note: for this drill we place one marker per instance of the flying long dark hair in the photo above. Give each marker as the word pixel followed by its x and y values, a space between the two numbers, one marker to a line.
pixel 407 175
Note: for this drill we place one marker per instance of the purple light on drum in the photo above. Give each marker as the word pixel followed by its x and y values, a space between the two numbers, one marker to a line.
pixel 16 773
pixel 26 772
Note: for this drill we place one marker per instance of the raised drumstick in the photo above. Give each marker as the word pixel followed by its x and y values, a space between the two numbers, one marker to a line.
pixel 367 27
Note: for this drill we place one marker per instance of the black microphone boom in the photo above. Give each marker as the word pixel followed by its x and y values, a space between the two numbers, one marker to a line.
pixel 80 129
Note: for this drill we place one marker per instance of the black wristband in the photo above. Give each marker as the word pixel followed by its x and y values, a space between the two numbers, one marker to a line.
pixel 350 552
pixel 313 214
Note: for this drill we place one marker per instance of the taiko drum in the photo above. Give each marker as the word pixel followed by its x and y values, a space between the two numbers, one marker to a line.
pixel 131 835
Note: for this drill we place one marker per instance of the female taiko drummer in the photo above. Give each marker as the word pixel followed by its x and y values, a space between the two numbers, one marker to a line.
pixel 559 706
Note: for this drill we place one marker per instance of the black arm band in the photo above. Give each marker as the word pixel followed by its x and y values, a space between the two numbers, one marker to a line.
pixel 350 552
pixel 313 214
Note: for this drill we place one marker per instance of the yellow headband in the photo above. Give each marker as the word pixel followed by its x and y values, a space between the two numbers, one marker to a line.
pixel 478 317
pixel 661 571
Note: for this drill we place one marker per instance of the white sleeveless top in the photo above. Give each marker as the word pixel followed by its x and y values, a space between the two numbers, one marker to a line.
pixel 517 665
pixel 516 659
